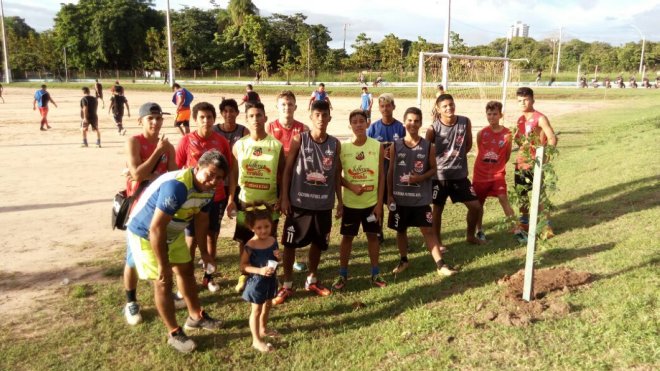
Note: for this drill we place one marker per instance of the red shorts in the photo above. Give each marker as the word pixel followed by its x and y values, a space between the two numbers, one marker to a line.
pixel 493 188
pixel 43 111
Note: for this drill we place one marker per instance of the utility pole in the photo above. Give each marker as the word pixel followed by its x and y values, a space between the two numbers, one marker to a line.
pixel 170 59
pixel 641 59
pixel 4 44
pixel 552 66
pixel 345 27
pixel 308 56
pixel 559 51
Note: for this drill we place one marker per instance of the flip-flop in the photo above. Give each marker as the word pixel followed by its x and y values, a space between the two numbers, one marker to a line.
pixel 269 348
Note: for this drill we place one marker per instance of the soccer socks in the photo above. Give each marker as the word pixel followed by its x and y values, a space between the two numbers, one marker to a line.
pixel 343 271
pixel 131 295
pixel 375 271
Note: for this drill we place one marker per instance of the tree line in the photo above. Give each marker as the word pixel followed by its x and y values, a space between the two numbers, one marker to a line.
pixel 131 35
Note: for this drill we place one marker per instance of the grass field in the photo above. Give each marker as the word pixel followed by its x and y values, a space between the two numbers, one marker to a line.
pixel 606 224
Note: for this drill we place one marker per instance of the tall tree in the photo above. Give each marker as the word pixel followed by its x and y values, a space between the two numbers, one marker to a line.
pixel 239 10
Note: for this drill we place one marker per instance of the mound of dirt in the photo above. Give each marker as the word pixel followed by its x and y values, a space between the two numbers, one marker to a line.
pixel 549 287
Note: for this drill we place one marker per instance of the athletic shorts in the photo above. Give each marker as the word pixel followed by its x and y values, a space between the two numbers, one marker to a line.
pixel 353 218
pixel 43 111
pixel 214 220
pixel 410 216
pixel 119 118
pixel 145 259
pixel 459 190
pixel 182 117
pixel 129 256
pixel 94 123
pixel 242 234
pixel 302 227
pixel 525 178
pixel 493 188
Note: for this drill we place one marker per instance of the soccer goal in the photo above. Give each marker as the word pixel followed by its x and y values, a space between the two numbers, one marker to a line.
pixel 471 80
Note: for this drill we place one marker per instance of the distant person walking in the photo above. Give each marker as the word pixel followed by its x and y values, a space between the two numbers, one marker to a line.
pixel 182 98
pixel 366 102
pixel 1 89
pixel 538 77
pixel 98 91
pixel 41 99
pixel 89 117
pixel 319 94
pixel 117 103
pixel 250 97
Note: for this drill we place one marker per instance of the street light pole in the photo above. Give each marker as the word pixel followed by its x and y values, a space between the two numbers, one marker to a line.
pixel 170 59
pixel 641 59
pixel 558 51
pixel 4 44
pixel 445 49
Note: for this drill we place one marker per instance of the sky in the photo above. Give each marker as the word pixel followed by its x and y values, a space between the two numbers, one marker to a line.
pixel 477 21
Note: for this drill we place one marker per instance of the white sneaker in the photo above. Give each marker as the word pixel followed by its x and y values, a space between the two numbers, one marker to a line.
pixel 212 286
pixel 179 303
pixel 132 313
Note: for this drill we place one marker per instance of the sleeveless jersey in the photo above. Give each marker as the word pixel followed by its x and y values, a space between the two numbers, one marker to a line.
pixel 360 166
pixel 231 136
pixel 184 94
pixel 314 174
pixel 146 149
pixel 173 193
pixel 319 95
pixel 450 154
pixel 526 127
pixel 193 146
pixel 257 162
pixel 411 161
pixel 283 134
pixel 491 158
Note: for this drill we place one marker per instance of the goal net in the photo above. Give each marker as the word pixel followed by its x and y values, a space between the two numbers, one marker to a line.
pixel 471 80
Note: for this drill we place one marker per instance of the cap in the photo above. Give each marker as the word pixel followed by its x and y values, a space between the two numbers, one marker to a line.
pixel 150 108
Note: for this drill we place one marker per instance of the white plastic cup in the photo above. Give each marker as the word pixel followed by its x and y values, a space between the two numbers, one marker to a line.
pixel 272 264
pixel 233 213
pixel 371 218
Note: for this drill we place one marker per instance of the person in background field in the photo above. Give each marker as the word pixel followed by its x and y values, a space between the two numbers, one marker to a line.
pixel 156 239
pixel 440 90
pixel 312 178
pixel 188 151
pixel 231 131
pixel 533 129
pixel 41 99
pixel 538 77
pixel 250 97
pixel 182 98
pixel 489 176
pixel 116 87
pixel 319 94
pixel 386 130
pixel 284 128
pixel 148 157
pixel 98 91
pixel 117 103
pixel 256 176
pixel 451 135
pixel 366 102
pixel 1 90
pixel 259 255
pixel 89 117
pixel 363 181
pixel 410 191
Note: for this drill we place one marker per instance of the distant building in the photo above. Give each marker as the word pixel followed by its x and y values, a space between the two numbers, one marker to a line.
pixel 519 30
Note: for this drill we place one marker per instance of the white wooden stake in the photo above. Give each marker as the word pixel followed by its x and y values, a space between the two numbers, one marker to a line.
pixel 528 285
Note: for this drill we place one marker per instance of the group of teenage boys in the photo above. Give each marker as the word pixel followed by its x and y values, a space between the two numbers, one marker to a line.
pixel 305 173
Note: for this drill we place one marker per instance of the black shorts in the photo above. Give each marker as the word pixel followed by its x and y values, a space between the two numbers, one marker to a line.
pixel 352 218
pixel 94 123
pixel 302 227
pixel 459 190
pixel 184 123
pixel 119 118
pixel 214 219
pixel 410 216
pixel 525 178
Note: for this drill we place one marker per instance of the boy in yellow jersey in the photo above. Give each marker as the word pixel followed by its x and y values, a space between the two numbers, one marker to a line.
pixel 259 160
pixel 361 160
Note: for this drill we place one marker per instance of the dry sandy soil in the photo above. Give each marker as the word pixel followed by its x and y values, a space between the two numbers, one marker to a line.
pixel 55 207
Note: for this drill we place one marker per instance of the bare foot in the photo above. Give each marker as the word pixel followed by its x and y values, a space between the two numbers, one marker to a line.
pixel 475 241
pixel 271 334
pixel 263 347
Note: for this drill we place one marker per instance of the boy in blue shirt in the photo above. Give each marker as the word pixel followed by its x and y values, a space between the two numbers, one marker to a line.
pixel 366 102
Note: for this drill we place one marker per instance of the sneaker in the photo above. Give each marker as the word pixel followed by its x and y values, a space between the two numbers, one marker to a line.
pixel 212 286
pixel 299 267
pixel 48 126
pixel 282 295
pixel 378 281
pixel 446 270
pixel 98 145
pixel 340 283
pixel 122 132
pixel 480 235
pixel 317 288
pixel 240 286
pixel 520 236
pixel 402 266
pixel 181 342
pixel 179 303
pixel 204 323
pixel 84 145
pixel 42 129
pixel 132 313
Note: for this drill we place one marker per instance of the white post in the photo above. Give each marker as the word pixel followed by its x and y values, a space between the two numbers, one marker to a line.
pixel 4 44
pixel 528 284
pixel 641 59
pixel 559 51
pixel 505 84
pixel 170 58
pixel 577 79
pixel 420 79
pixel 66 69
pixel 445 49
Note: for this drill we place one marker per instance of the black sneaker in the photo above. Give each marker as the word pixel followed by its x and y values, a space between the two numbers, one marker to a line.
pixel 206 323
pixel 181 342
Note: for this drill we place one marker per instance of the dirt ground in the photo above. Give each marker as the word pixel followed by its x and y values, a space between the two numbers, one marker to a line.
pixel 55 207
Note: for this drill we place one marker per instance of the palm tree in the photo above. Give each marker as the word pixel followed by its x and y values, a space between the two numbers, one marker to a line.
pixel 238 9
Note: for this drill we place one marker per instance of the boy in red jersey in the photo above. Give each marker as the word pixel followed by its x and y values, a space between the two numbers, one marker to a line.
pixel 533 129
pixel 489 179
